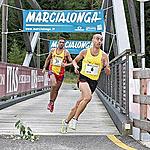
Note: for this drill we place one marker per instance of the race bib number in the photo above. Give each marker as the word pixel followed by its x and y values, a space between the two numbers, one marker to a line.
pixel 91 69
pixel 57 61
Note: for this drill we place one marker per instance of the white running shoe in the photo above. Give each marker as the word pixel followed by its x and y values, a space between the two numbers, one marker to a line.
pixel 73 124
pixel 64 127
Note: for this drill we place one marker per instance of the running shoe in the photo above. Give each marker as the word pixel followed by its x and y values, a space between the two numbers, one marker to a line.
pixel 73 124
pixel 50 106
pixel 64 127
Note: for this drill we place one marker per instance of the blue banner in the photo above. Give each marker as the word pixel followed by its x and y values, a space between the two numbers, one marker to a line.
pixel 63 21
pixel 74 47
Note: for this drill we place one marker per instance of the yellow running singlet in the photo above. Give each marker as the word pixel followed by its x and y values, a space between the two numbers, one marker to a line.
pixel 92 65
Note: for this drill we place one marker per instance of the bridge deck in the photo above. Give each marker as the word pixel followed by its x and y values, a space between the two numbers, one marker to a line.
pixel 34 113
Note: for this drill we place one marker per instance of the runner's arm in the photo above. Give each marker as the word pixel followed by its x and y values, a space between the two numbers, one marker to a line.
pixel 69 59
pixel 105 61
pixel 47 61
pixel 80 56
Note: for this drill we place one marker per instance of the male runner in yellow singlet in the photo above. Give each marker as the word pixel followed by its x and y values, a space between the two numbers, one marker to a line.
pixel 57 61
pixel 93 60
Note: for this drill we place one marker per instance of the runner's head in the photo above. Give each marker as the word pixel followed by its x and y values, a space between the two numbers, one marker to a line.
pixel 97 40
pixel 61 42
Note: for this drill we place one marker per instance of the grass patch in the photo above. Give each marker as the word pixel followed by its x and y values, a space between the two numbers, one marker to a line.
pixel 70 77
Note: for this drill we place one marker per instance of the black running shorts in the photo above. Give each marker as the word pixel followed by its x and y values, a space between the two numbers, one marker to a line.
pixel 92 83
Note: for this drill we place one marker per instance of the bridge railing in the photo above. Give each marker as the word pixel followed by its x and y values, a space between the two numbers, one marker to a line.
pixel 113 90
pixel 143 99
pixel 116 86
pixel 18 80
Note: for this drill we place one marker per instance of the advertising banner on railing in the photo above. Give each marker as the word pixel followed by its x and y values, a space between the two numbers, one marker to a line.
pixel 16 79
pixel 74 47
pixel 63 20
pixel 2 79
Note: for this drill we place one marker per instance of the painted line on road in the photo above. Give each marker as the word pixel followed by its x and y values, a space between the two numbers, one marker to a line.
pixel 119 143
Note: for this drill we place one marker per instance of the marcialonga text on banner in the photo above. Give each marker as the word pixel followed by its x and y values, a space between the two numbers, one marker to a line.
pixel 63 21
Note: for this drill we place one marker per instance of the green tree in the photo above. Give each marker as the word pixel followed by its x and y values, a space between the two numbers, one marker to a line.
pixel 147 34
pixel 14 24
pixel 16 56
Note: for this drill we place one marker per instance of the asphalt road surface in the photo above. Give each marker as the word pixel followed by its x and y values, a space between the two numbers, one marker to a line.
pixel 70 142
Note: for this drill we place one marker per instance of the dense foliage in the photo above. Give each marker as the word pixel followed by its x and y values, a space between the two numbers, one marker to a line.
pixel 16 54
pixel 14 25
pixel 147 32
